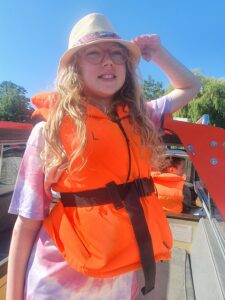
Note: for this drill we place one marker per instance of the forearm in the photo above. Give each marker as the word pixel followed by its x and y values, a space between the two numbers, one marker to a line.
pixel 185 84
pixel 179 76
pixel 24 234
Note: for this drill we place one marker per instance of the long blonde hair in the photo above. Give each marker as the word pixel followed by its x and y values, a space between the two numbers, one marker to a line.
pixel 69 90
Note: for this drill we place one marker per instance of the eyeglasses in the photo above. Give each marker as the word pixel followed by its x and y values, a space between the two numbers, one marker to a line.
pixel 96 55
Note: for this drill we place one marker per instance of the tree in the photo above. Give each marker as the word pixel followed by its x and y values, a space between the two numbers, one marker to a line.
pixel 152 89
pixel 210 100
pixel 14 105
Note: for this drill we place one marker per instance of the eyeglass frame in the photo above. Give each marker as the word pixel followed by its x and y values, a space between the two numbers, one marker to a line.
pixel 107 51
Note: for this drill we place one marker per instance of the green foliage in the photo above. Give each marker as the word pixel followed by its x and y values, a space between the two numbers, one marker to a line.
pixel 210 100
pixel 14 105
pixel 152 89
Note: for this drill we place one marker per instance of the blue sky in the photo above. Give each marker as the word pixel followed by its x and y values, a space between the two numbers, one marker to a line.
pixel 34 34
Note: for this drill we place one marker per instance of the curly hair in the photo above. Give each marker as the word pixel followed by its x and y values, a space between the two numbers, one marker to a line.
pixel 69 89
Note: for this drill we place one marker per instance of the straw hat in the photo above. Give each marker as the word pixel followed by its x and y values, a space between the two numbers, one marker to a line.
pixel 92 29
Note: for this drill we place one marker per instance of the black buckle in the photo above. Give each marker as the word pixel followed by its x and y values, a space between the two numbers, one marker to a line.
pixel 114 194
pixel 143 187
pixel 139 187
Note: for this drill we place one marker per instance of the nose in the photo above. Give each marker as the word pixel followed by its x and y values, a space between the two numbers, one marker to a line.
pixel 107 60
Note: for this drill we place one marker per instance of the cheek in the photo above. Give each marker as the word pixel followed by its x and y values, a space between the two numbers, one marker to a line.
pixel 85 71
pixel 88 76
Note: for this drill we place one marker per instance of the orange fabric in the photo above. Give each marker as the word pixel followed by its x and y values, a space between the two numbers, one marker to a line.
pixel 170 190
pixel 44 99
pixel 99 241
pixel 41 113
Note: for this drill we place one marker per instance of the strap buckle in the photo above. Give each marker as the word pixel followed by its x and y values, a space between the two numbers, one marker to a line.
pixel 114 194
pixel 143 187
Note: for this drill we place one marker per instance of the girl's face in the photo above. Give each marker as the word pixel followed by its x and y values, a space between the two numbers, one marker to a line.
pixel 103 70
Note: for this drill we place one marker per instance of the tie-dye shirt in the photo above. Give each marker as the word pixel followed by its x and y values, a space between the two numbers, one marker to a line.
pixel 48 275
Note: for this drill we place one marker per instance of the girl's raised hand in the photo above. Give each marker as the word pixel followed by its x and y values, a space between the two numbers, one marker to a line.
pixel 149 44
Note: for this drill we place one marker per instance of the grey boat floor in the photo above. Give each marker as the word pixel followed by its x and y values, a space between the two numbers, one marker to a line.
pixel 173 279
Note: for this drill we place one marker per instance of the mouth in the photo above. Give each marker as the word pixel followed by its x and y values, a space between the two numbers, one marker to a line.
pixel 107 76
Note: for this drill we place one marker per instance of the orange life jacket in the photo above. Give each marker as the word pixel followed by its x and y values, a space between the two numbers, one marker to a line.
pixel 170 190
pixel 99 240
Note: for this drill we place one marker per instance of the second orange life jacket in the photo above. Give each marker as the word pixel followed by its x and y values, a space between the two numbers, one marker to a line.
pixel 170 191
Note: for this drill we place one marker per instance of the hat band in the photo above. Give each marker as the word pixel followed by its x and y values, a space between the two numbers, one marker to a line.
pixel 96 36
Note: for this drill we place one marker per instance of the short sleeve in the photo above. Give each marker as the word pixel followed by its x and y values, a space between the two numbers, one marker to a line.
pixel 29 198
pixel 157 108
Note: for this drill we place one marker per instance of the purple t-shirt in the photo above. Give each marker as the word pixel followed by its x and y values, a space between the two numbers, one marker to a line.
pixel 48 275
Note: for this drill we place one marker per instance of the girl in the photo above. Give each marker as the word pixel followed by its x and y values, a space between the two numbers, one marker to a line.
pixel 96 150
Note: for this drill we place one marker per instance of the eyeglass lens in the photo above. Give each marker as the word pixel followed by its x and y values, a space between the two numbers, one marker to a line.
pixel 96 55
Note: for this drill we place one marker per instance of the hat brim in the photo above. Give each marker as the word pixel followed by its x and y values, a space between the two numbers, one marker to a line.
pixel 132 48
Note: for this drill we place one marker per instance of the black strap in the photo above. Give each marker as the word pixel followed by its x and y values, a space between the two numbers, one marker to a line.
pixel 143 238
pixel 118 121
pixel 125 195
pixel 103 196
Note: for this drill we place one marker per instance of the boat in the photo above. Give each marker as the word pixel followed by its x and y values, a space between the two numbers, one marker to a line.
pixel 197 268
pixel 13 138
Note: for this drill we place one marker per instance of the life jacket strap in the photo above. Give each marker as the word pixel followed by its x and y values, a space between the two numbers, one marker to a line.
pixel 102 196
pixel 124 195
